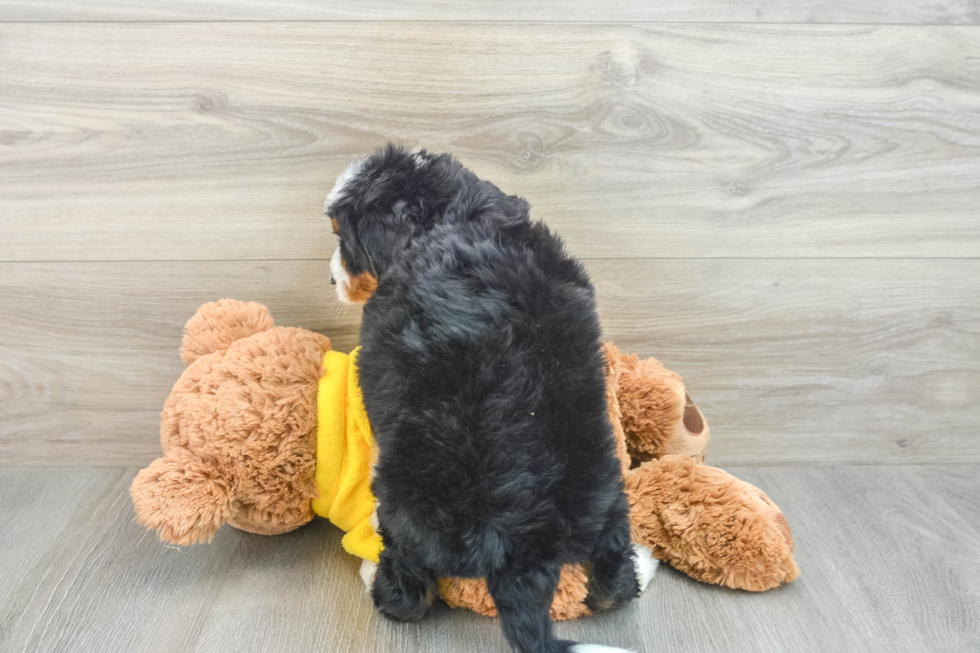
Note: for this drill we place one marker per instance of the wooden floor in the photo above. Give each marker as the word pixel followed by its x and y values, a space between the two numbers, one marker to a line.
pixel 890 560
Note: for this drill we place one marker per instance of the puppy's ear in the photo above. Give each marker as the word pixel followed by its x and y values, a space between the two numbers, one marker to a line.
pixel 380 240
pixel 181 497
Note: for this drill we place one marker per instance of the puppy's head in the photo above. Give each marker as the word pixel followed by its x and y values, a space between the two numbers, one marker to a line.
pixel 377 206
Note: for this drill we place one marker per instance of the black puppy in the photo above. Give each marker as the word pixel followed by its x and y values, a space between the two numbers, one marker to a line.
pixel 483 381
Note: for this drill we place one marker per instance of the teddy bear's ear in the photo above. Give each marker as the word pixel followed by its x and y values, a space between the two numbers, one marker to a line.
pixel 658 416
pixel 218 324
pixel 612 372
pixel 181 497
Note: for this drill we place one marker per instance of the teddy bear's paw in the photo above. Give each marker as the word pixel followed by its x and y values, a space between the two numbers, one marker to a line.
pixel 645 565
pixel 596 648
pixel 368 570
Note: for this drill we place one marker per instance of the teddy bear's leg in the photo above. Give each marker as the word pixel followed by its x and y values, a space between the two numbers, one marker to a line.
pixel 710 525
pixel 182 497
pixel 614 565
pixel 403 589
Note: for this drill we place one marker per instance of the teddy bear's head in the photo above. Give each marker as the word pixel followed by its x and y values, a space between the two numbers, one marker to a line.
pixel 657 415
pixel 238 430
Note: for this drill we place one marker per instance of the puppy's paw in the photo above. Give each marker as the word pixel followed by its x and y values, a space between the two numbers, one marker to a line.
pixel 368 571
pixel 645 565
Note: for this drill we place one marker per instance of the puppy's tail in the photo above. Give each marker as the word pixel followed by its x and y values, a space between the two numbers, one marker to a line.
pixel 523 599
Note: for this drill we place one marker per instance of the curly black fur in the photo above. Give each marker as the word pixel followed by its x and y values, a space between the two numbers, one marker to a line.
pixel 483 381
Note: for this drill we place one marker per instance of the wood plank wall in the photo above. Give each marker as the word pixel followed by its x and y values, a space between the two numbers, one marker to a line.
pixel 779 200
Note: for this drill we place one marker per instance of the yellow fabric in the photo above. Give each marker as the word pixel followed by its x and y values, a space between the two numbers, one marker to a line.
pixel 344 453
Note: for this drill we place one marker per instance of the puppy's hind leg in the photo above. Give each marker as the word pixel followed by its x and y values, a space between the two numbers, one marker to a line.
pixel 403 589
pixel 619 572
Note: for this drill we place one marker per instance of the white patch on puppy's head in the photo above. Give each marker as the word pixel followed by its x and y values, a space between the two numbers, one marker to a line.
pixel 338 275
pixel 341 184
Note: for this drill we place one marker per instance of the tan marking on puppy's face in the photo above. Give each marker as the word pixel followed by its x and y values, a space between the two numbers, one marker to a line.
pixel 351 289
pixel 361 287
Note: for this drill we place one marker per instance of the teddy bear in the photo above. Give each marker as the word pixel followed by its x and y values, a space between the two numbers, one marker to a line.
pixel 266 429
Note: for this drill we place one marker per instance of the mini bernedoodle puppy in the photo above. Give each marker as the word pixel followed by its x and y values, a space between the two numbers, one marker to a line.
pixel 483 381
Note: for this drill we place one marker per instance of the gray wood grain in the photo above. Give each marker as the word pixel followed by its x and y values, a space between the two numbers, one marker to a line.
pixel 89 352
pixel 873 543
pixel 186 141
pixel 792 361
pixel 887 565
pixel 817 361
pixel 753 11
pixel 957 487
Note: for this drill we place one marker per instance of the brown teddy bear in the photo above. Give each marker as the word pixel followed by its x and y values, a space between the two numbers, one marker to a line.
pixel 266 428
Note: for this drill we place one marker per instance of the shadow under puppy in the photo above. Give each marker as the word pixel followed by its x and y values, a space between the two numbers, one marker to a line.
pixel 483 379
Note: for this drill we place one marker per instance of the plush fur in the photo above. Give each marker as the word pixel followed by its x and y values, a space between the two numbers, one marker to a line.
pixel 657 414
pixel 483 378
pixel 711 525
pixel 238 429
pixel 210 448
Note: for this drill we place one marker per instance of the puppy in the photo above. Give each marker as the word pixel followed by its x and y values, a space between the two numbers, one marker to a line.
pixel 483 381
